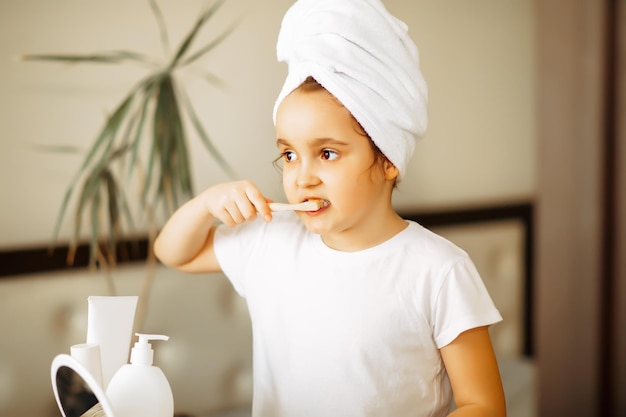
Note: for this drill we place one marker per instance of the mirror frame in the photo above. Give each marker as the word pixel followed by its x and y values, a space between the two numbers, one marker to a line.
pixel 67 361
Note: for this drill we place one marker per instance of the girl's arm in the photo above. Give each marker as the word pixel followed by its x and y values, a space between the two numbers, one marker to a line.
pixel 473 371
pixel 186 240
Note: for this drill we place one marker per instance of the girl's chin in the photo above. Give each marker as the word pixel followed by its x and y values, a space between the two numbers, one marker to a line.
pixel 316 226
pixel 316 230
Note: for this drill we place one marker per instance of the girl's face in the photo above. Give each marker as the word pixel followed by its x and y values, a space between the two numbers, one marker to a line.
pixel 324 156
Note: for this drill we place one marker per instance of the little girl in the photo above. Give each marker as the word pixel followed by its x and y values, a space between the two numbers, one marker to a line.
pixel 355 311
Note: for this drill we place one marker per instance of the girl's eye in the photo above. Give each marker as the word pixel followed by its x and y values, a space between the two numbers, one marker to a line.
pixel 284 158
pixel 329 155
pixel 289 156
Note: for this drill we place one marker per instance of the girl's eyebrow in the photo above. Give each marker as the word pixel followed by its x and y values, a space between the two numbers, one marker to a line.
pixel 315 142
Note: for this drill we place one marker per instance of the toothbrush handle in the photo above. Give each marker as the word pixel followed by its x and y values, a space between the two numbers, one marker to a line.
pixel 305 206
pixel 282 206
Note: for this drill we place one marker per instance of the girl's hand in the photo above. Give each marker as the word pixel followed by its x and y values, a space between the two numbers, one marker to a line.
pixel 236 202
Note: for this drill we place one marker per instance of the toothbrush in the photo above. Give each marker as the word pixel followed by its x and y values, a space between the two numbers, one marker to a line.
pixel 310 205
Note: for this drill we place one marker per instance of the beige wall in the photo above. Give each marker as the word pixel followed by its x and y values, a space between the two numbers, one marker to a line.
pixel 478 58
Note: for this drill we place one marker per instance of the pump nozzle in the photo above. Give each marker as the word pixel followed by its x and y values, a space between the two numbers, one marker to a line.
pixel 143 338
pixel 142 353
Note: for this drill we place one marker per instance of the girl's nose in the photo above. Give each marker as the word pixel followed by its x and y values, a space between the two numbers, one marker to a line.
pixel 306 176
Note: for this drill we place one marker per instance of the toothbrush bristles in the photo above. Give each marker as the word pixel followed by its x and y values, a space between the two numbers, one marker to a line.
pixel 319 203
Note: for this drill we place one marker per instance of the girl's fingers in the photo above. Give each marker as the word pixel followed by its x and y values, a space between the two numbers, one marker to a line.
pixel 237 202
pixel 244 210
pixel 260 203
pixel 225 217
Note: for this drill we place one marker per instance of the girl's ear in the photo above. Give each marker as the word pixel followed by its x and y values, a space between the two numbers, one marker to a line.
pixel 391 172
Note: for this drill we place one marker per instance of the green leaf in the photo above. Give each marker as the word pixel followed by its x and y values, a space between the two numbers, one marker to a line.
pixel 113 209
pixel 152 156
pixel 202 19
pixel 108 57
pixel 125 209
pixel 89 191
pixel 213 79
pixel 70 149
pixel 107 134
pixel 95 226
pixel 169 131
pixel 60 216
pixel 156 10
pixel 146 94
pixel 205 49
pixel 182 167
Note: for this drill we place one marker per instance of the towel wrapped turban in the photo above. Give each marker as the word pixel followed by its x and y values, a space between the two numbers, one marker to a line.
pixel 363 56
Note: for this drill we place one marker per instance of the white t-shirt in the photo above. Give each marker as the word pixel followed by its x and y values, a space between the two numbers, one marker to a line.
pixel 339 334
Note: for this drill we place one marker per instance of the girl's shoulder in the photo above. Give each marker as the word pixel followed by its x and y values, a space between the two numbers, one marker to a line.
pixel 422 243
pixel 425 240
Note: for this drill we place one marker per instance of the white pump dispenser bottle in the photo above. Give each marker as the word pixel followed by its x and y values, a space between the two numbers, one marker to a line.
pixel 140 389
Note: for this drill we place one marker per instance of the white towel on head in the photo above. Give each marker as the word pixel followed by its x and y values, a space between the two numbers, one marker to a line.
pixel 364 56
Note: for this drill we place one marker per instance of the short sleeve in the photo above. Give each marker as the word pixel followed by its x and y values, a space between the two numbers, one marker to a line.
pixel 462 303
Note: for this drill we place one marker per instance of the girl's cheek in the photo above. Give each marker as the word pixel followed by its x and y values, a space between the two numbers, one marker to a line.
pixel 288 177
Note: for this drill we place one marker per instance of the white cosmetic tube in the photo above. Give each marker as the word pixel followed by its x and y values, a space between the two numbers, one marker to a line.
pixel 110 325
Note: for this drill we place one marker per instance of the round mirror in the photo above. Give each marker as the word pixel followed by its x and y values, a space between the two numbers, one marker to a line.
pixel 76 391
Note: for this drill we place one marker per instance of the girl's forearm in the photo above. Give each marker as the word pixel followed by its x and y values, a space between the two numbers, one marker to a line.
pixel 184 234
pixel 186 241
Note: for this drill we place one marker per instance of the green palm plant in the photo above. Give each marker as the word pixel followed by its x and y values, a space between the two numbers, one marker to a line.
pixel 155 110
